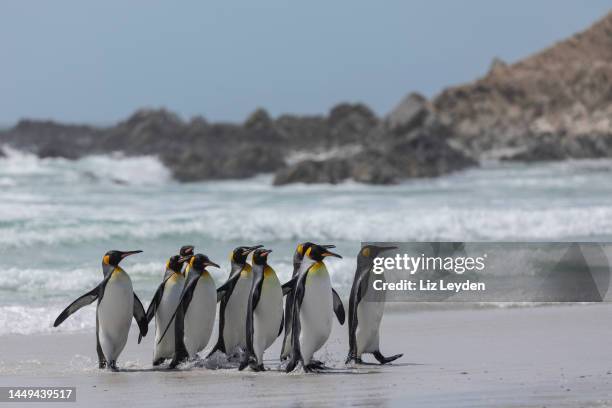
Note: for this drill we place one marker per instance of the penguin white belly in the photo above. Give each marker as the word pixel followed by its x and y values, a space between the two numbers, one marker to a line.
pixel 168 304
pixel 234 334
pixel 115 314
pixel 369 316
pixel 267 316
pixel 315 313
pixel 200 316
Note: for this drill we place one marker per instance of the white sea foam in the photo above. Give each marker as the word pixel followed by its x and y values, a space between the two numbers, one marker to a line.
pixel 263 224
pixel 113 168
pixel 31 319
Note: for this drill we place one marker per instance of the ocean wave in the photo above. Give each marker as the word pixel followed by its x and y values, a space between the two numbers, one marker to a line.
pixel 20 319
pixel 324 224
pixel 110 168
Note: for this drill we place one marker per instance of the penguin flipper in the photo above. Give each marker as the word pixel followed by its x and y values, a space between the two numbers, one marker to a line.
pixel 84 300
pixel 141 318
pixel 298 297
pixel 228 286
pixel 282 324
pixel 157 297
pixel 289 286
pixel 287 322
pixel 338 307
pixel 183 303
pixel 257 293
pixel 357 293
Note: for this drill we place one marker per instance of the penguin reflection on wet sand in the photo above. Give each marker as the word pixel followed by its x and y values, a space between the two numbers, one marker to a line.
pixel 312 310
pixel 233 296
pixel 300 265
pixel 162 306
pixel 117 304
pixel 194 317
pixel 264 321
pixel 365 316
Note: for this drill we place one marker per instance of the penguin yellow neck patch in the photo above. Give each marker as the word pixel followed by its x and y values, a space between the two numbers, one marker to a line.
pixel 268 271
pixel 246 270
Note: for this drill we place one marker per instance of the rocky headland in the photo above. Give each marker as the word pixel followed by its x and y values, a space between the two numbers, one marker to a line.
pixel 556 104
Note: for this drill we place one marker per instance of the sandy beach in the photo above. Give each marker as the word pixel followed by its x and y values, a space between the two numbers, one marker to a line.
pixel 542 356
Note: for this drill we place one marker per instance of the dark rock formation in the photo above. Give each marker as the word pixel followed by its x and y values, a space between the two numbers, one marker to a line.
pixel 424 152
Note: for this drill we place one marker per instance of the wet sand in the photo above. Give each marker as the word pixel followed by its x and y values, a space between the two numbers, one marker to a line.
pixel 544 356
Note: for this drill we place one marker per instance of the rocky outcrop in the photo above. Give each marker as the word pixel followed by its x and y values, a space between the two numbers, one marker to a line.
pixel 356 145
pixel 555 104
pixel 402 153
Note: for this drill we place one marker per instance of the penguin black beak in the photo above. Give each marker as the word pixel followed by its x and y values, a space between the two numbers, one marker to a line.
pixel 265 252
pixel 211 263
pixel 251 249
pixel 128 253
pixel 330 253
pixel 328 246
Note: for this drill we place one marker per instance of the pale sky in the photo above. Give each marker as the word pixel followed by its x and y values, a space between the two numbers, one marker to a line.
pixel 83 62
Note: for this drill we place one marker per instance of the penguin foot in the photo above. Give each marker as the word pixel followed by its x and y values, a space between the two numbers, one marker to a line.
pixel 291 365
pixel 158 361
pixel 244 363
pixel 256 367
pixel 352 357
pixel 314 368
pixel 113 365
pixel 384 360
pixel 175 362
pixel 319 365
pixel 102 364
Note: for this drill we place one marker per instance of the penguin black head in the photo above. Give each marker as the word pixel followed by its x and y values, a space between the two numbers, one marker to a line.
pixel 369 252
pixel 113 258
pixel 199 262
pixel 318 252
pixel 240 254
pixel 175 263
pixel 301 249
pixel 186 250
pixel 260 256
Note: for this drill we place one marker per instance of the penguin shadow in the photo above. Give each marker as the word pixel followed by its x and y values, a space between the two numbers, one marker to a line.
pixel 363 368
pixel 160 369
pixel 365 363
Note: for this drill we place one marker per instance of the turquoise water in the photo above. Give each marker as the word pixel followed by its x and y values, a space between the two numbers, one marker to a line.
pixel 58 217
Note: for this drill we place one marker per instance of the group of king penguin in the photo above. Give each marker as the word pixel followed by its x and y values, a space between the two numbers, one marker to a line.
pixel 251 313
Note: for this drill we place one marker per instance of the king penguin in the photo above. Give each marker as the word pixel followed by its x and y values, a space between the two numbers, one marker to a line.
pixel 312 310
pixel 264 321
pixel 233 296
pixel 299 265
pixel 194 317
pixel 117 304
pixel 162 306
pixel 365 317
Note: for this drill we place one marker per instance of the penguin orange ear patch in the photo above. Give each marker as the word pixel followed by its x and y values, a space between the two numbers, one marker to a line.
pixel 308 251
pixel 300 249
pixel 106 259
pixel 365 252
